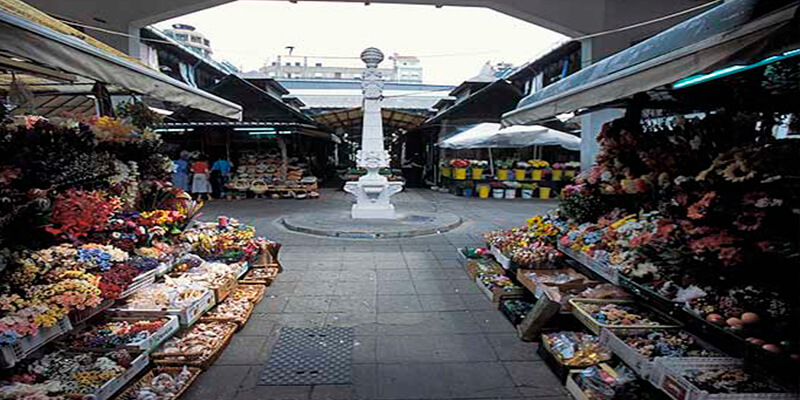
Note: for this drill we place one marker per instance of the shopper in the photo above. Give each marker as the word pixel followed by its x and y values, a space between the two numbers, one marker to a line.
pixel 180 174
pixel 220 175
pixel 200 183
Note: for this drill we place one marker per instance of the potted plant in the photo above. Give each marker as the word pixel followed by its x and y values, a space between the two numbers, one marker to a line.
pixel 571 168
pixel 527 190
pixel 558 171
pixel 503 168
pixel 447 171
pixel 478 166
pixel 511 189
pixel 521 171
pixel 459 169
pixel 498 190
pixel 538 167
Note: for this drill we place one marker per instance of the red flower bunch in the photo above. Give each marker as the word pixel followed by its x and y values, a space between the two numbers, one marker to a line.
pixel 116 280
pixel 459 163
pixel 78 212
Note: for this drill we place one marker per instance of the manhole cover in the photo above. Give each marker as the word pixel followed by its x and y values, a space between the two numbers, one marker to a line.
pixel 305 356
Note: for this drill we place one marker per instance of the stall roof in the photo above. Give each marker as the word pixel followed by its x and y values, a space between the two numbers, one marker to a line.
pixel 31 34
pixel 500 94
pixel 347 119
pixel 493 136
pixel 709 40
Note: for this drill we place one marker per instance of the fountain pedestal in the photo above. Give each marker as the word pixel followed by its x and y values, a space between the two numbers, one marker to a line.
pixel 372 191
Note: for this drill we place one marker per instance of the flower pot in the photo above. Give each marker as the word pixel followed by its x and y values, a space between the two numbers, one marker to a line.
pixel 544 193
pixel 460 173
pixel 502 174
pixel 447 172
pixel 483 191
pixel 537 174
pixel 527 193
pixel 477 173
pixel 569 174
pixel 467 192
pixel 498 193
pixel 511 193
pixel 557 173
pixel 520 174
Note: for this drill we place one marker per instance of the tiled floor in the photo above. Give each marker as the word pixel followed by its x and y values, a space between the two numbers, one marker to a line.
pixel 423 330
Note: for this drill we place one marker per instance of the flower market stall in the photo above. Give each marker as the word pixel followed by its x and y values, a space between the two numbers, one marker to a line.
pixel 677 251
pixel 103 270
pixel 506 177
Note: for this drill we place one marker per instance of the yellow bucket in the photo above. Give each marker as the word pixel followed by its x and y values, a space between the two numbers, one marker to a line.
pixel 447 172
pixel 569 174
pixel 519 174
pixel 484 191
pixel 557 174
pixel 544 193
pixel 460 173
pixel 537 174
pixel 502 174
pixel 477 173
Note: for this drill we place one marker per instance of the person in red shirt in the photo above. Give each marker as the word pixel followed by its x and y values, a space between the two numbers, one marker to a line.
pixel 201 186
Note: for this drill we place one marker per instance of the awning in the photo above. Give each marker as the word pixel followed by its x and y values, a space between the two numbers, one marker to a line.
pixel 713 39
pixel 351 118
pixel 492 136
pixel 55 49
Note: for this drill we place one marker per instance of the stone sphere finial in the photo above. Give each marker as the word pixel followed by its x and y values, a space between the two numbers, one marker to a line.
pixel 372 57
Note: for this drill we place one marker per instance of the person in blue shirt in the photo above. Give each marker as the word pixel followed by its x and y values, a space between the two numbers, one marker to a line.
pixel 180 174
pixel 220 175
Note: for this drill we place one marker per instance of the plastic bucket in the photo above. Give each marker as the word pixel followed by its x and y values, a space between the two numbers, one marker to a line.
pixel 544 193
pixel 498 193
pixel 557 173
pixel 527 193
pixel 477 173
pixel 502 174
pixel 467 192
pixel 520 174
pixel 460 173
pixel 537 174
pixel 569 174
pixel 511 193
pixel 484 191
pixel 447 172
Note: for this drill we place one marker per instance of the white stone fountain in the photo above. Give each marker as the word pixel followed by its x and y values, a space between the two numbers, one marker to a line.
pixel 372 191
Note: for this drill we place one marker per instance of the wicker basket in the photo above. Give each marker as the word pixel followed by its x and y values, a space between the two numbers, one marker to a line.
pixel 198 359
pixel 132 391
pixel 596 326
pixel 255 293
pixel 259 276
pixel 240 322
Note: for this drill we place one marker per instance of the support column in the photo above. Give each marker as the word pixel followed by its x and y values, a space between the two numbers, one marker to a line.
pixel 591 124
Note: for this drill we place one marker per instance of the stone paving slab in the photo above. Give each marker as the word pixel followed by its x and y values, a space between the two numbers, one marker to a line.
pixel 423 330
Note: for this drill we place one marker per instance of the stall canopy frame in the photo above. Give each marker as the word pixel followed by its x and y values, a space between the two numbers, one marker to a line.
pixel 709 40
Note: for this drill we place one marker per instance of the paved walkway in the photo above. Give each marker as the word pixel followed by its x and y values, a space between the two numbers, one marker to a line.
pixel 423 330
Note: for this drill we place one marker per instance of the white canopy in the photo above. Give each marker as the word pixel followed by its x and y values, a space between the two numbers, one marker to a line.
pixel 490 135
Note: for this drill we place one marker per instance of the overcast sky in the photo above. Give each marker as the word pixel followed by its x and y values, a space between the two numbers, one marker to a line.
pixel 250 33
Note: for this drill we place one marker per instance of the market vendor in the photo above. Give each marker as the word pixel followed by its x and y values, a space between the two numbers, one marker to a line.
pixel 180 173
pixel 200 181
pixel 220 175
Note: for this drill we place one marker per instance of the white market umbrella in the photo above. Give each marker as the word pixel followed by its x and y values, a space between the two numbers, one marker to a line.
pixel 490 135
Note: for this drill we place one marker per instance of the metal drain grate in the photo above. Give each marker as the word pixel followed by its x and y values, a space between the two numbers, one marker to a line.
pixel 306 356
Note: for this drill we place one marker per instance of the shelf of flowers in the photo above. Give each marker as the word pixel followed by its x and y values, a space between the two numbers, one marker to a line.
pixel 85 375
pixel 714 379
pixel 198 346
pixel 116 332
